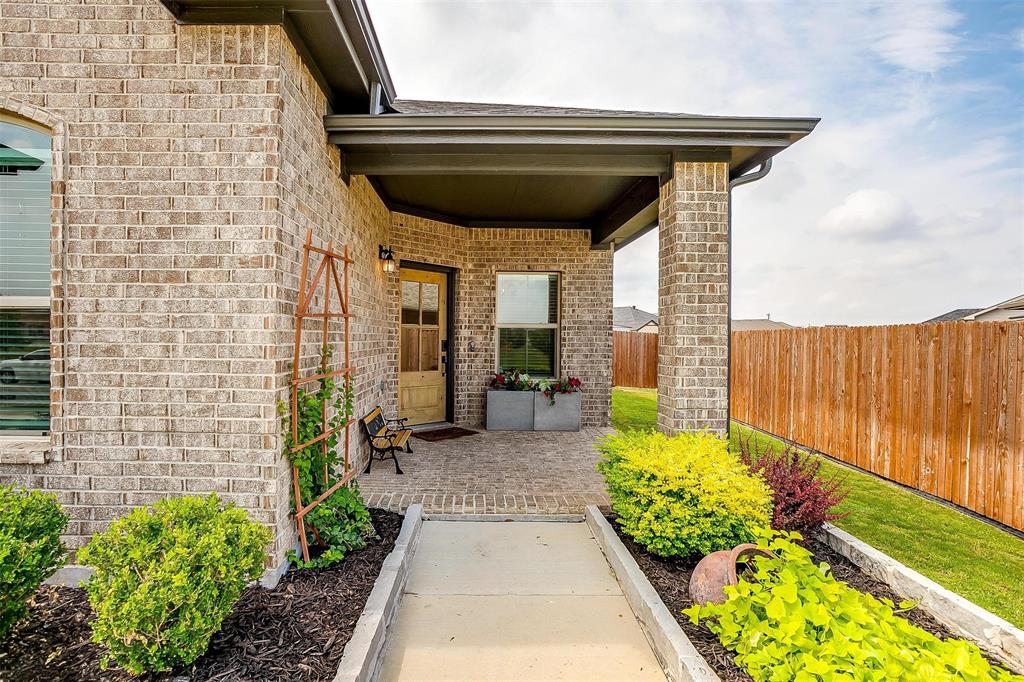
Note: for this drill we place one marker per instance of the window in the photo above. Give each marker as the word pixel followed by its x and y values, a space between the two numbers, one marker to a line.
pixel 24 278
pixel 527 321
pixel 421 347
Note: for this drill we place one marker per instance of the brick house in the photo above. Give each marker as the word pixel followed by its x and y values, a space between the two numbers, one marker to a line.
pixel 160 165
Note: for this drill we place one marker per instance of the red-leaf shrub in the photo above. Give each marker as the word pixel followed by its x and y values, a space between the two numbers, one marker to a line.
pixel 803 497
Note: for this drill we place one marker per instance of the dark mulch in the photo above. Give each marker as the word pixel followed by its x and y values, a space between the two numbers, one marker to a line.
pixel 671 579
pixel 296 631
pixel 446 433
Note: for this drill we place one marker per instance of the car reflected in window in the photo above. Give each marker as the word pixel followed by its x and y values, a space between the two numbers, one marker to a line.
pixel 30 368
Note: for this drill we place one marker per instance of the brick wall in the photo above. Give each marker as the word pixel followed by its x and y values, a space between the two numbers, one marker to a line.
pixel 164 270
pixel 478 255
pixel 693 298
pixel 189 161
pixel 313 196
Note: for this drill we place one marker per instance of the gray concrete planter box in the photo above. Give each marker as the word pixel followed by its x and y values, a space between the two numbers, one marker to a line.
pixel 564 415
pixel 966 619
pixel 360 662
pixel 682 661
pixel 677 655
pixel 510 410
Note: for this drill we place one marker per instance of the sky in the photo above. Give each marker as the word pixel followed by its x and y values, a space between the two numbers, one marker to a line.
pixel 906 201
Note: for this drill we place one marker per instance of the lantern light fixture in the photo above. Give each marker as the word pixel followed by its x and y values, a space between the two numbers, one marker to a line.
pixel 387 258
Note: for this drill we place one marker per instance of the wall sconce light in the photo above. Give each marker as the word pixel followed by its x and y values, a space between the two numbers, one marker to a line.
pixel 387 258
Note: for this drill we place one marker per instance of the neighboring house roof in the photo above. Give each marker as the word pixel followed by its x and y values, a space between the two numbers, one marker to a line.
pixel 1014 305
pixel 632 318
pixel 753 325
pixel 1010 309
pixel 958 314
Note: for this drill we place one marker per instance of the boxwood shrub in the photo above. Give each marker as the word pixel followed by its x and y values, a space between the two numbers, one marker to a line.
pixel 789 619
pixel 30 548
pixel 682 496
pixel 165 578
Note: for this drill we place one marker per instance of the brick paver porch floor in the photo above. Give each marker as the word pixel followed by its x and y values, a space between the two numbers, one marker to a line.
pixel 493 472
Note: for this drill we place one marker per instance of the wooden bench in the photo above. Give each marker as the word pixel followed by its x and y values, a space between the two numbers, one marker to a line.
pixel 385 442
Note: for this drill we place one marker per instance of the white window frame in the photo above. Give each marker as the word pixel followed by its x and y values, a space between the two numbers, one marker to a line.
pixel 556 325
pixel 40 302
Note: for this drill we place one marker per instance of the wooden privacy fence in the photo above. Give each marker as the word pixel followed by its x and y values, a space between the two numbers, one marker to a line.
pixel 635 359
pixel 938 407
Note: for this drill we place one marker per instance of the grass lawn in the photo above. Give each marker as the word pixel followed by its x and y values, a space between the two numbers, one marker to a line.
pixel 970 557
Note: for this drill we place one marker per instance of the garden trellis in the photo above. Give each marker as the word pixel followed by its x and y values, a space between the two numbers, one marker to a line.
pixel 335 285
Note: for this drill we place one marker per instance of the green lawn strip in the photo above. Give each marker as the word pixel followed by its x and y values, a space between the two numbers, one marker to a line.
pixel 634 408
pixel 970 557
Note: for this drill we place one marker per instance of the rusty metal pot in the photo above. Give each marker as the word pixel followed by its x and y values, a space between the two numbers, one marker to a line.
pixel 717 570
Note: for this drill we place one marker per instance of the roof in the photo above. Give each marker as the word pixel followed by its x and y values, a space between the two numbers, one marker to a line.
pixel 12 160
pixel 421 106
pixel 957 314
pixel 334 38
pixel 756 325
pixel 496 165
pixel 541 167
pixel 631 317
pixel 1015 303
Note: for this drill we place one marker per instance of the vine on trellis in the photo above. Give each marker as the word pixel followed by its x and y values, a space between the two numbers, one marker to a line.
pixel 318 421
pixel 340 521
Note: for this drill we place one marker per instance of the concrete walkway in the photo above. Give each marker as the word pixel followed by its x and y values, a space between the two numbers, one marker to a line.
pixel 524 601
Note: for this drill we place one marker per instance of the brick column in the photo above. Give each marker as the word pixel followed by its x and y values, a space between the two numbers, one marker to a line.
pixel 693 298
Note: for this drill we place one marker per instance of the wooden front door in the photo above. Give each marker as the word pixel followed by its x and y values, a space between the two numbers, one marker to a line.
pixel 423 346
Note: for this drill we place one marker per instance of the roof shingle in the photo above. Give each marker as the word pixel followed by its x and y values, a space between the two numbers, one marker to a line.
pixel 418 106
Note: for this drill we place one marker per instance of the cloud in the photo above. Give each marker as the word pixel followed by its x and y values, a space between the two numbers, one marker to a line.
pixel 917 35
pixel 871 214
pixel 906 200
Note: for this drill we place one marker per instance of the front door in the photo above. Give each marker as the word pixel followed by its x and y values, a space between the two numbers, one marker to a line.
pixel 423 346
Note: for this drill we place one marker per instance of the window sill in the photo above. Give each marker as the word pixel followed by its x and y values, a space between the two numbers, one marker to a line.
pixel 24 450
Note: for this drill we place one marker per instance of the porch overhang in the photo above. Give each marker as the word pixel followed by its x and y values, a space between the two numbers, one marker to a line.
pixel 600 173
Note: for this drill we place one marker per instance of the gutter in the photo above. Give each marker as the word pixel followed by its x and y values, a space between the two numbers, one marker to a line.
pixel 761 172
pixel 750 125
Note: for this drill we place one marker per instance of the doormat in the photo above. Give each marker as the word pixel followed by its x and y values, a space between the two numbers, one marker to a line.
pixel 446 433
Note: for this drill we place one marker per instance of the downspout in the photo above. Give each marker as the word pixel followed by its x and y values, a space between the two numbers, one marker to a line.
pixel 746 179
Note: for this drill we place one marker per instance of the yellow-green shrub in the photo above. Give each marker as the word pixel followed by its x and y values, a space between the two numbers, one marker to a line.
pixel 166 576
pixel 684 495
pixel 30 548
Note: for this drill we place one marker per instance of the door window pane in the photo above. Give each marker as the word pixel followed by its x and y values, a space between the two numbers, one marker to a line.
pixel 430 350
pixel 528 350
pixel 527 298
pixel 24 369
pixel 410 302
pixel 429 304
pixel 410 349
pixel 24 211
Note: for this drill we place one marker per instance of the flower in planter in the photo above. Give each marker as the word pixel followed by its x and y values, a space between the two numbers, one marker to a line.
pixel 512 380
pixel 565 385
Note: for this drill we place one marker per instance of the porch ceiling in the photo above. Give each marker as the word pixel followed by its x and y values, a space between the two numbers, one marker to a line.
pixel 596 171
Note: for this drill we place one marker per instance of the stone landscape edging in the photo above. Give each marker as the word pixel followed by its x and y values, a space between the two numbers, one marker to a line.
pixel 680 659
pixel 360 662
pixel 995 635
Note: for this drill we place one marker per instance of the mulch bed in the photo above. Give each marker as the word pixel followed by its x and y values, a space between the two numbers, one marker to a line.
pixel 447 433
pixel 296 631
pixel 671 579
